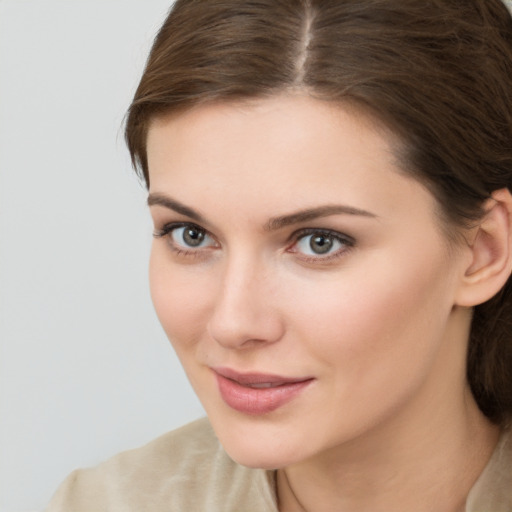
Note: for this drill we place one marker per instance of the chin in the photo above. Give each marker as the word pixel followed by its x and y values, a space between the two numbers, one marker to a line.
pixel 259 457
pixel 258 445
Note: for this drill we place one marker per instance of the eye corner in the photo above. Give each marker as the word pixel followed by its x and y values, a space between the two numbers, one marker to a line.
pixel 159 233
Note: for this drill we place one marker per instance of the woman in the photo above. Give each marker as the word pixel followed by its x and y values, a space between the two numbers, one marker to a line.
pixel 329 184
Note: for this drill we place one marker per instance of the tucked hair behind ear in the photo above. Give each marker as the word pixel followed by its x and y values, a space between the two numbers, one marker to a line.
pixel 438 73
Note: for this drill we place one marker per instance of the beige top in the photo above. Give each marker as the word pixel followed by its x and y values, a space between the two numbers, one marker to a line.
pixel 187 471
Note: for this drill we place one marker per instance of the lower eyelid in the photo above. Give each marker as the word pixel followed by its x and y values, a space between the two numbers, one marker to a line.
pixel 327 259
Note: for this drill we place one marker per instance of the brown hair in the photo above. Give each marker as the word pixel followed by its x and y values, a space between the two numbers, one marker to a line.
pixel 437 72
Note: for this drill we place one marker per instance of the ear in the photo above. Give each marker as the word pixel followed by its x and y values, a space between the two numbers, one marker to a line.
pixel 491 252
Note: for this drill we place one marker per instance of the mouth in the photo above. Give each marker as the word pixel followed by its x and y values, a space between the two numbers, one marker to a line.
pixel 258 393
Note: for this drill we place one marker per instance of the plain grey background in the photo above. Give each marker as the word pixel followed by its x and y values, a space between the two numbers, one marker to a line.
pixel 85 368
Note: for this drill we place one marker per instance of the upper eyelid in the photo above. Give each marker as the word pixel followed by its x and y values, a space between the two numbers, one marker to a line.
pixel 169 226
pixel 293 238
pixel 296 235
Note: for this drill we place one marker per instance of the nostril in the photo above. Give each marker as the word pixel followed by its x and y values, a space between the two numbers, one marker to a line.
pixel 244 329
pixel 242 315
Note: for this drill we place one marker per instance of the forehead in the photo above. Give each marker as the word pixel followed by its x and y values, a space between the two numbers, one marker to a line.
pixel 292 111
pixel 278 154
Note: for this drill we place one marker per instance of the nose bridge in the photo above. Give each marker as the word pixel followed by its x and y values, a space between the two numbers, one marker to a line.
pixel 243 310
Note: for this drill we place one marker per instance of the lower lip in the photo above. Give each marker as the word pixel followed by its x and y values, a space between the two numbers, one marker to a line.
pixel 258 400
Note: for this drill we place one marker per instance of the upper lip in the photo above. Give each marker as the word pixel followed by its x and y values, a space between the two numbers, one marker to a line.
pixel 257 378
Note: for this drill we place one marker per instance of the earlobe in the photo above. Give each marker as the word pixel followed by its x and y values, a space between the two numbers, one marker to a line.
pixel 491 252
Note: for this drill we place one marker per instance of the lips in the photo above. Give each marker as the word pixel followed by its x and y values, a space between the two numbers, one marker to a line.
pixel 257 393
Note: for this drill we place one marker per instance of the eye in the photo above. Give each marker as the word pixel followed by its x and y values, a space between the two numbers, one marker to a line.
pixel 321 244
pixel 186 237
pixel 190 236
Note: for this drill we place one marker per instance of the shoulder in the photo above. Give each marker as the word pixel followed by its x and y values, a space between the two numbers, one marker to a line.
pixel 186 469
pixel 493 490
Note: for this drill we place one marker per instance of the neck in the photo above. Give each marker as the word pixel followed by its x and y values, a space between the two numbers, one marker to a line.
pixel 430 467
pixel 425 455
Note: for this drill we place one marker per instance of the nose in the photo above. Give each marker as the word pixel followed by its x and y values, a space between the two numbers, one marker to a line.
pixel 245 312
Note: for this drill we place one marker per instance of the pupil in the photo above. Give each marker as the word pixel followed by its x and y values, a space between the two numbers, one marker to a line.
pixel 193 237
pixel 320 244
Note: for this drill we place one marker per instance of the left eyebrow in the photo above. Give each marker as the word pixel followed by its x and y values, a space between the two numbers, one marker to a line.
pixel 314 213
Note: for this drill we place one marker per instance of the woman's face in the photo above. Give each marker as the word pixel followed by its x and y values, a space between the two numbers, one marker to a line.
pixel 303 280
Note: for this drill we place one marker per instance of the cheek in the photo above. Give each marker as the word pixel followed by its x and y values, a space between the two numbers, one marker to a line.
pixel 180 297
pixel 387 312
pixel 374 340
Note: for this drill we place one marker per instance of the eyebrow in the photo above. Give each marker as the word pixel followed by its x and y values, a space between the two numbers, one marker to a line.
pixel 172 204
pixel 314 213
pixel 274 223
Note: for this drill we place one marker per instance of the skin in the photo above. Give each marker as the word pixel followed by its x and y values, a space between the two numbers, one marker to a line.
pixel 388 422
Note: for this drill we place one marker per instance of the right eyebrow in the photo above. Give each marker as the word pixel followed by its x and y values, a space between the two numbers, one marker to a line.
pixel 156 199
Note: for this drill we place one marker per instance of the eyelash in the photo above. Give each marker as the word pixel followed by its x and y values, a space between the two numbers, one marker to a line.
pixel 167 230
pixel 347 242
